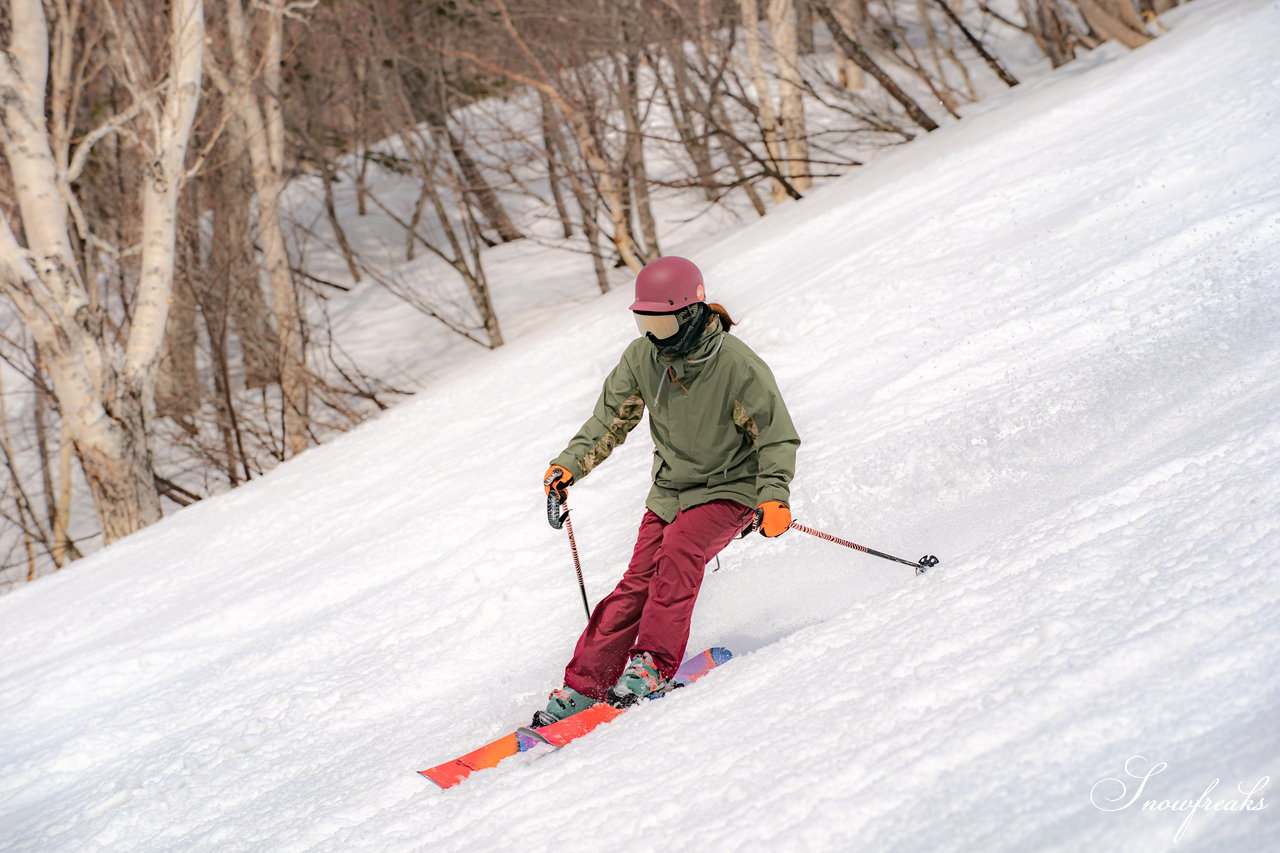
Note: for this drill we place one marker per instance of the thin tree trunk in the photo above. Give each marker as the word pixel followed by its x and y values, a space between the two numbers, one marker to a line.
pixel 160 188
pixel 695 142
pixel 608 187
pixel 549 129
pixel 586 206
pixel 481 191
pixel 477 283
pixel 735 161
pixel 782 22
pixel 466 260
pixel 26 515
pixel 851 14
pixel 327 176
pixel 40 409
pixel 217 305
pixel 57 491
pixel 436 109
pixel 411 233
pixel 804 27
pixel 429 93
pixel 362 185
pixel 943 88
pixel 178 382
pixel 764 93
pixel 992 62
pixel 634 154
pixel 905 54
pixel 64 549
pixel 235 299
pixel 261 126
pixel 854 51
pixel 217 322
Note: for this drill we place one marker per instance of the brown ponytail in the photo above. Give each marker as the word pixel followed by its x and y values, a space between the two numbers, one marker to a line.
pixel 726 322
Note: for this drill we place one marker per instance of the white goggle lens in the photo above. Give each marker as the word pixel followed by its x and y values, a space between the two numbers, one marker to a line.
pixel 661 326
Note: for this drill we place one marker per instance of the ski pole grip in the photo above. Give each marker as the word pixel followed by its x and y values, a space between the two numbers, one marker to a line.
pixel 557 512
pixel 757 518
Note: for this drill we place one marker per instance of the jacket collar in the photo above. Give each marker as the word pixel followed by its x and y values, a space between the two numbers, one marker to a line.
pixel 691 362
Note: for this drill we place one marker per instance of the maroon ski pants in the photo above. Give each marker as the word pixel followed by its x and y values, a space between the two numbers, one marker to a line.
pixel 651 607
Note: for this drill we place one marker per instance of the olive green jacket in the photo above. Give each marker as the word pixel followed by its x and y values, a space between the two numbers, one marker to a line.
pixel 719 426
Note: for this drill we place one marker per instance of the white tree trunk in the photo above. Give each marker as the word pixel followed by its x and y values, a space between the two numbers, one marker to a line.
pixel 795 137
pixel 850 14
pixel 104 419
pixel 262 126
pixel 764 92
pixel 162 182
pixel 103 388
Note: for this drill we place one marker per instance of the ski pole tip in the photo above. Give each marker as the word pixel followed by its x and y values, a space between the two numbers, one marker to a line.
pixel 926 562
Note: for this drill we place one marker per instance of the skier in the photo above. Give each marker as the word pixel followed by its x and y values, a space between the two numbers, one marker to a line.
pixel 724 455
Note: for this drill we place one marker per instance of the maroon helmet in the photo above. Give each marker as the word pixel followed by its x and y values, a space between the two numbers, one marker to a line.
pixel 668 284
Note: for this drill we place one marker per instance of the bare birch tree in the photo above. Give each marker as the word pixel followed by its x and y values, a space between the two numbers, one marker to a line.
pixel 259 126
pixel 104 381
pixel 764 91
pixel 786 48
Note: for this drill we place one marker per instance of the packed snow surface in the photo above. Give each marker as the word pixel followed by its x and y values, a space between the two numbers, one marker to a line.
pixel 1043 343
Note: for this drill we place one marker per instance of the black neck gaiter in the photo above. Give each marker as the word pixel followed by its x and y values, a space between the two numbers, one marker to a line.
pixel 693 320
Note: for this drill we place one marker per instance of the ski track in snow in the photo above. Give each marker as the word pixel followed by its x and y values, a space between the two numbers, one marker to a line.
pixel 1043 344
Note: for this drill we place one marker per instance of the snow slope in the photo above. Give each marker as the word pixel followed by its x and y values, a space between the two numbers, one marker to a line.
pixel 1043 344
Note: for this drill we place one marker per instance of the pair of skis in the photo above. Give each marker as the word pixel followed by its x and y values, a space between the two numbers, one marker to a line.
pixel 558 734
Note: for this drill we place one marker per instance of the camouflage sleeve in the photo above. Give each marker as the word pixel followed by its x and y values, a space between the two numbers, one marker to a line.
pixel 617 412
pixel 762 415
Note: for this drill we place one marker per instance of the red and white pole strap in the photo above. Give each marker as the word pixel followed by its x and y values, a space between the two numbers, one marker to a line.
pixel 558 516
pixel 925 562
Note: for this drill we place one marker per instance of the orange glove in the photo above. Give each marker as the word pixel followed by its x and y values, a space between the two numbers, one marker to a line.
pixel 777 518
pixel 558 478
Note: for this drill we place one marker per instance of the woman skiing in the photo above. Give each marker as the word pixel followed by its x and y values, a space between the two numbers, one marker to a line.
pixel 724 455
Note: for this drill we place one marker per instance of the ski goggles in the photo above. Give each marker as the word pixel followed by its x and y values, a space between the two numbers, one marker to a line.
pixel 661 326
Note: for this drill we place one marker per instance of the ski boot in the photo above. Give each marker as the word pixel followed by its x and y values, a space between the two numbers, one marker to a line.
pixel 561 702
pixel 640 679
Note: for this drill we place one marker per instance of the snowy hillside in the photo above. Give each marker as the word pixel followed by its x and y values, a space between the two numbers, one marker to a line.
pixel 1043 344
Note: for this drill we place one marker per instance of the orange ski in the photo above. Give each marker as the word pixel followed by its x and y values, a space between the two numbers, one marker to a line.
pixel 490 755
pixel 571 728
pixel 450 773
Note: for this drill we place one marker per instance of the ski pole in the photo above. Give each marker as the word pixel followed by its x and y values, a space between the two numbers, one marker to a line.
pixel 926 562
pixel 557 519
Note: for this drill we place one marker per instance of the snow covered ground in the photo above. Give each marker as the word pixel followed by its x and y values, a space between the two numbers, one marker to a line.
pixel 1043 344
